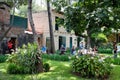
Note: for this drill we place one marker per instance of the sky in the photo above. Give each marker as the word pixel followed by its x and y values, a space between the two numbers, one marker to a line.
pixel 41 3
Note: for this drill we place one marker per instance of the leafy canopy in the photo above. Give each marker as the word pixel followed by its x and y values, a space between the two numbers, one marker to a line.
pixel 90 15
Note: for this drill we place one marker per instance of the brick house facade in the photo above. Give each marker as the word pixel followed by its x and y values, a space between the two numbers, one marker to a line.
pixel 61 36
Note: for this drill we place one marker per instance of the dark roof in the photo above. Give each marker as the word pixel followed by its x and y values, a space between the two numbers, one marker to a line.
pixel 5 4
pixel 20 22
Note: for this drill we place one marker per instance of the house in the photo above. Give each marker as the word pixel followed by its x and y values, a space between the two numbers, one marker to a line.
pixel 15 24
pixel 61 35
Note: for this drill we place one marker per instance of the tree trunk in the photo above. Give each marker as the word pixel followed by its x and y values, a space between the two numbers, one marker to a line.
pixel 40 65
pixel 10 26
pixel 31 20
pixel 52 46
pixel 88 40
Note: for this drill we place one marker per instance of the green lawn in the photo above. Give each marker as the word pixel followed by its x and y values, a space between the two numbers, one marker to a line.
pixel 58 71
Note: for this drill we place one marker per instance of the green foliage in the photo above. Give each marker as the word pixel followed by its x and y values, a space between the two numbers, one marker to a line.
pixel 56 57
pixel 17 3
pixel 90 67
pixel 3 58
pixel 103 50
pixel 23 9
pixel 109 60
pixel 91 16
pixel 99 36
pixel 46 67
pixel 16 69
pixel 116 61
pixel 26 57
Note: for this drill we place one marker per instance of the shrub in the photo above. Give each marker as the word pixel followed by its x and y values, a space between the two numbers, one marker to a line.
pixel 27 58
pixel 46 67
pixel 103 50
pixel 3 58
pixel 16 69
pixel 91 67
pixel 56 57
pixel 13 69
pixel 116 61
pixel 109 60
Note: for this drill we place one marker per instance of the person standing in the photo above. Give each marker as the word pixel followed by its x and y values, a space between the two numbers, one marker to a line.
pixel 115 49
pixel 10 46
pixel 4 46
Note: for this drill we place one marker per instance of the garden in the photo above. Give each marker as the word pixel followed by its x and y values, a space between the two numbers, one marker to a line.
pixel 22 66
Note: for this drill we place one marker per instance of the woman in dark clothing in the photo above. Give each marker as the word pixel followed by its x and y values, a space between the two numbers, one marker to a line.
pixel 115 49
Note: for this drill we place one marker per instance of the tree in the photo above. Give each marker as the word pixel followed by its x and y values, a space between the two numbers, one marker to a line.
pixel 22 10
pixel 52 48
pixel 40 65
pixel 90 16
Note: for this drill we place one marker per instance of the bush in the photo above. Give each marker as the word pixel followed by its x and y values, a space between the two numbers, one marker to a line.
pixel 116 61
pixel 91 67
pixel 3 58
pixel 27 58
pixel 109 60
pixel 103 50
pixel 16 69
pixel 56 57
pixel 46 67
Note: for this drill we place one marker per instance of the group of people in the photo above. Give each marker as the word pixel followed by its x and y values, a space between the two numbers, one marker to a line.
pixel 82 50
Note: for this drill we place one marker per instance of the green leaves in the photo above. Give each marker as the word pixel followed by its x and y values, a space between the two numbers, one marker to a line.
pixel 26 57
pixel 99 13
pixel 91 67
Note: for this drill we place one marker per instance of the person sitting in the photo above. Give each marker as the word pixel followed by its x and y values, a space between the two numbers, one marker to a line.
pixel 95 50
pixel 62 50
pixel 81 46
pixel 43 49
pixel 73 50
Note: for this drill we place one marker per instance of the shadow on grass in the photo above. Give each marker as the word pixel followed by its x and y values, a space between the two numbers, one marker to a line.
pixel 58 71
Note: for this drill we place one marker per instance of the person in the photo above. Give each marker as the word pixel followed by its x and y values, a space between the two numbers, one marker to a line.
pixel 43 49
pixel 115 49
pixel 4 47
pixel 10 46
pixel 73 50
pixel 62 50
pixel 81 45
pixel 95 49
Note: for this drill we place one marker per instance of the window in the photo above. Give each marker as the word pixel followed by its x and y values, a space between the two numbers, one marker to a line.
pixel 56 24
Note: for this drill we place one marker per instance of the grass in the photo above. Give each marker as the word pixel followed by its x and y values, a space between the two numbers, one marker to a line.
pixel 115 75
pixel 59 71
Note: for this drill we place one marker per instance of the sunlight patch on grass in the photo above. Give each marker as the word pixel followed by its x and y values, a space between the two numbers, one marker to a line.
pixel 53 68
pixel 67 65
pixel 3 70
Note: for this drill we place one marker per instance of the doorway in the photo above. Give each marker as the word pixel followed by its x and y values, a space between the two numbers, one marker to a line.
pixel 62 41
